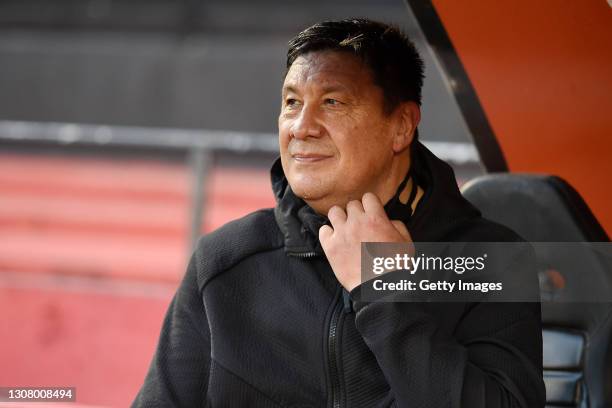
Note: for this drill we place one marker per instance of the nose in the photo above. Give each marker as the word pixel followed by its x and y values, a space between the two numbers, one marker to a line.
pixel 306 124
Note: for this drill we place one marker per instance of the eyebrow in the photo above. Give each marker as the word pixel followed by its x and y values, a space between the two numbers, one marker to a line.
pixel 325 89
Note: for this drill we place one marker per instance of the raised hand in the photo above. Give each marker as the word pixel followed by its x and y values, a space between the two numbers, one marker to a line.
pixel 363 221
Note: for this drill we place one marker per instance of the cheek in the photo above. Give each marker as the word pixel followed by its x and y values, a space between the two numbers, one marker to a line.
pixel 364 151
pixel 283 133
pixel 366 142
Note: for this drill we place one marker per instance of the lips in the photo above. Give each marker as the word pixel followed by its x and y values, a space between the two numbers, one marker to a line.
pixel 309 157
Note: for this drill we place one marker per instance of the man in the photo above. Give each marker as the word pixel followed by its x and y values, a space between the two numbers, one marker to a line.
pixel 268 315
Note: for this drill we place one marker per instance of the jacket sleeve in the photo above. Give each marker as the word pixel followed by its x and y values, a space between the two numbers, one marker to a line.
pixel 491 357
pixel 493 360
pixel 178 374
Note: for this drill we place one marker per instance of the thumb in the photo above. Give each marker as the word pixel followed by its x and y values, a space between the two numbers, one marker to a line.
pixel 401 228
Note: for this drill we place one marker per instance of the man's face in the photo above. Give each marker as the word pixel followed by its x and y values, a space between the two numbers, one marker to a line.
pixel 336 142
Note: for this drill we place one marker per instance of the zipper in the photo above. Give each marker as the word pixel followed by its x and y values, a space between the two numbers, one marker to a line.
pixel 303 254
pixel 332 348
pixel 332 337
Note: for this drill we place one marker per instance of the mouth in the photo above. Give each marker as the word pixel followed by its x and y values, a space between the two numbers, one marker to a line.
pixel 309 157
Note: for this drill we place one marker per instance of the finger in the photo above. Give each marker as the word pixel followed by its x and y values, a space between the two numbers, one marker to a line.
pixel 336 216
pixel 372 205
pixel 325 232
pixel 401 228
pixel 354 208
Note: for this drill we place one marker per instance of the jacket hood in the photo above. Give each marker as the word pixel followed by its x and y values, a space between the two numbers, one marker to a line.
pixel 441 210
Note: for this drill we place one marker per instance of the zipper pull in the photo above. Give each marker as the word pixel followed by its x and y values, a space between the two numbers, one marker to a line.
pixel 348 305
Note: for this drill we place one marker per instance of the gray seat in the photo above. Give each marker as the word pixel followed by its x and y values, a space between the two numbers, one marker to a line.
pixel 577 336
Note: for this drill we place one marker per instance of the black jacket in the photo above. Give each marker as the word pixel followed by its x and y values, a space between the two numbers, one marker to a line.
pixel 260 320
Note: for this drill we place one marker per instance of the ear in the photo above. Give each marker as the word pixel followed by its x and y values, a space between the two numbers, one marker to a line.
pixel 408 117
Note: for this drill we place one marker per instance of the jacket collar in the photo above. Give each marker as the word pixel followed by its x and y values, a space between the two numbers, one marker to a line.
pixel 440 211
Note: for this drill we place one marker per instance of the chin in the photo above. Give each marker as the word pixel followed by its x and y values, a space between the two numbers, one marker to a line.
pixel 308 188
pixel 306 193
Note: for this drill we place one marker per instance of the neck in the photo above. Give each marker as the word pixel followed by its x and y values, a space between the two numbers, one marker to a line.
pixel 385 187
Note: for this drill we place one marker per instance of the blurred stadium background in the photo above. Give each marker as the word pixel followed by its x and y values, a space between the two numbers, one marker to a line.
pixel 127 128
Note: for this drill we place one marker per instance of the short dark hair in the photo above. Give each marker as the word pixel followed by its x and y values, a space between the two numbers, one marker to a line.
pixel 393 59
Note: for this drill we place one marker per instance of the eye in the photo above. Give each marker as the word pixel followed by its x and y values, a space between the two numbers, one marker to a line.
pixel 290 102
pixel 332 101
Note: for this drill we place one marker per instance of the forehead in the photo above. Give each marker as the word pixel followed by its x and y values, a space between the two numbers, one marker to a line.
pixel 324 69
